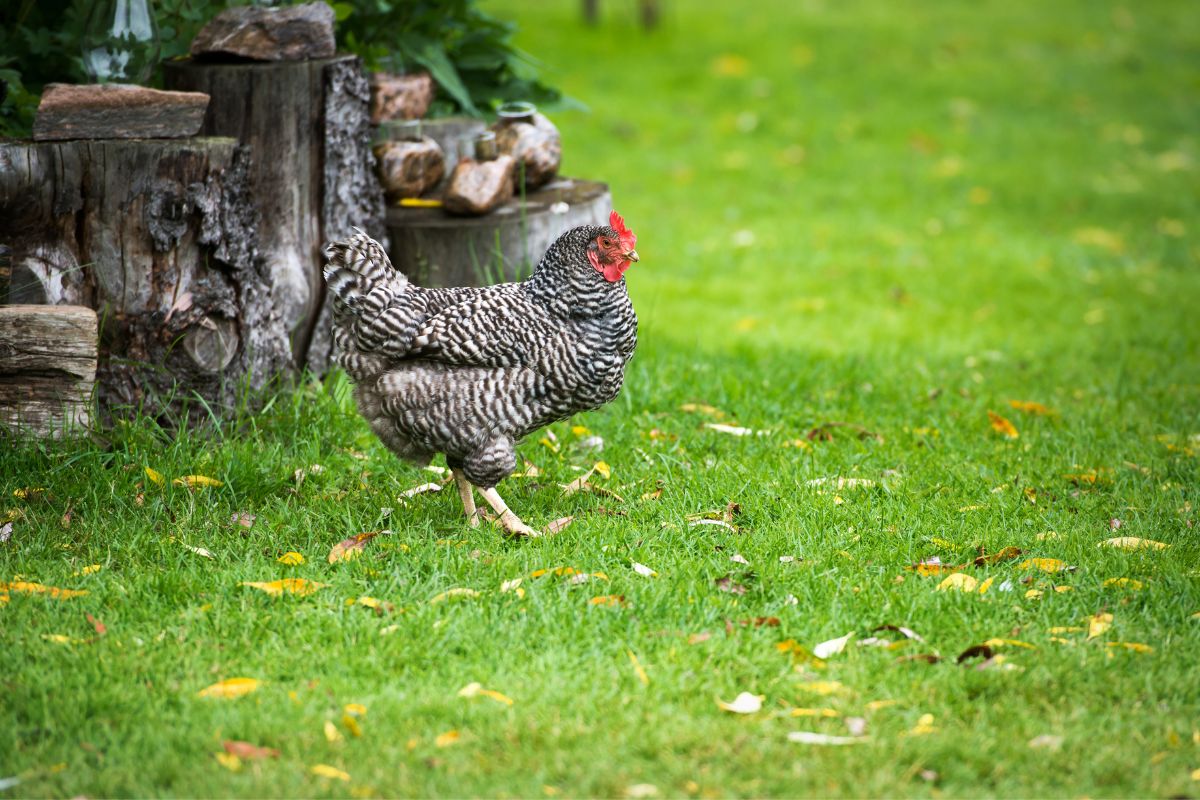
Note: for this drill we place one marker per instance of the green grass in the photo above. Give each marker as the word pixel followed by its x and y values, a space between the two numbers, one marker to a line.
pixel 895 217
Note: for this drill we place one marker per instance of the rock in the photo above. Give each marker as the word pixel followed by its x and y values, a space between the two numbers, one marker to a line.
pixel 535 144
pixel 288 33
pixel 477 187
pixel 400 96
pixel 117 111
pixel 409 168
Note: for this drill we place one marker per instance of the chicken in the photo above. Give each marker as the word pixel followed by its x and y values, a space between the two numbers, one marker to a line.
pixel 468 372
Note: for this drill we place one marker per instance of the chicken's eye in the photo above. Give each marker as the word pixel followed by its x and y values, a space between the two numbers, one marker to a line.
pixel 604 241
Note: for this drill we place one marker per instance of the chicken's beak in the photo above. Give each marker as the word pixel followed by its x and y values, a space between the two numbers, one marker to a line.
pixel 632 256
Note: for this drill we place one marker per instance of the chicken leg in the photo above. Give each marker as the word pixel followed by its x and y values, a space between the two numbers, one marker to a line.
pixel 466 492
pixel 508 520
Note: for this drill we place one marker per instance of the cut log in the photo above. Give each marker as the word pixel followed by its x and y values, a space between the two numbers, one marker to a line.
pixel 117 111
pixel 434 249
pixel 312 175
pixel 158 236
pixel 47 369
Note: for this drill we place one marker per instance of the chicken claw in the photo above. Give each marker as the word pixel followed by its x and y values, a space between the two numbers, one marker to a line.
pixel 508 520
pixel 468 498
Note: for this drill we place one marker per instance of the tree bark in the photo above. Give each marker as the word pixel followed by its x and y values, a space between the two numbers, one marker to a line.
pixel 159 237
pixel 312 172
pixel 47 368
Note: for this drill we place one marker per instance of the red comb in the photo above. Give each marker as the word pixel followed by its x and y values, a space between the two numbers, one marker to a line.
pixel 628 238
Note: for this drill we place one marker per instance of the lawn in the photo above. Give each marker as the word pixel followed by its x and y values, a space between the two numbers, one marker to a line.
pixel 895 218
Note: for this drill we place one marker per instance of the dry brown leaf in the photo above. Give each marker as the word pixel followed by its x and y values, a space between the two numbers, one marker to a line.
pixel 242 519
pixel 247 751
pixel 1030 407
pixel 611 600
pixel 726 583
pixel 558 525
pixel 352 547
pixel 1006 554
pixel 702 408
pixel 97 625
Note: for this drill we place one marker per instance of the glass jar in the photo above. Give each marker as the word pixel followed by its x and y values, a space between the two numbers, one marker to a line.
pixel 120 41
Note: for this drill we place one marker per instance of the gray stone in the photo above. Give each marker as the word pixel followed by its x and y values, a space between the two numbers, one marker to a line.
pixel 409 168
pixel 289 33
pixel 535 144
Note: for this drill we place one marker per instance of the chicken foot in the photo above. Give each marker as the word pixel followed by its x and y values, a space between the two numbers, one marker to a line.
pixel 508 520
pixel 466 493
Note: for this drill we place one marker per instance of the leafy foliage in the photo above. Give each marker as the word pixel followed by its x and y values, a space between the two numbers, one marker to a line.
pixel 468 52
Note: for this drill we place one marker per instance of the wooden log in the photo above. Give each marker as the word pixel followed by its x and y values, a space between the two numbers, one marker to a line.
pixel 434 249
pixel 311 175
pixel 47 369
pixel 158 236
pixel 117 111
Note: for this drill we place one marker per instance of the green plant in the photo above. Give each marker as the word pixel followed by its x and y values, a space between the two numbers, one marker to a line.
pixel 468 52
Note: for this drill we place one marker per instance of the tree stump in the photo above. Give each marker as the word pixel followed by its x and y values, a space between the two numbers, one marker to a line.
pixel 47 368
pixel 434 249
pixel 312 174
pixel 158 236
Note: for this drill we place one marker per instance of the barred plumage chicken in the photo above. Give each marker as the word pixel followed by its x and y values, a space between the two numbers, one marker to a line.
pixel 470 371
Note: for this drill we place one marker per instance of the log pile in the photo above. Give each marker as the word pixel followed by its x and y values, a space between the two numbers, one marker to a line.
pixel 158 236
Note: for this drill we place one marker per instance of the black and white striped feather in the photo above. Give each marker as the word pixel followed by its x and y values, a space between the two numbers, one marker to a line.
pixel 470 371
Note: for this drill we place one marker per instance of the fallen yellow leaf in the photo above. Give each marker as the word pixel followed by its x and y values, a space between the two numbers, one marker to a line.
pixel 814 712
pixel 451 594
pixel 924 726
pixel 822 687
pixel 1098 624
pixel 1125 583
pixel 229 761
pixel 637 668
pixel 326 771
pixel 1033 594
pixel 613 600
pixel 59 638
pixel 192 481
pixel 332 734
pixel 446 739
pixel 1008 643
pixel 155 477
pixel 230 688
pixel 355 709
pixel 351 724
pixel 27 587
pixel 297 586
pixel 960 581
pixel 1044 564
pixel 292 559
pixel 1002 426
pixel 1133 543
pixel 477 690
pixel 1136 647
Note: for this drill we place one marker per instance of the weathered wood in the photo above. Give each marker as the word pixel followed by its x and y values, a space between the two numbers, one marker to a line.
pixel 116 111
pixel 434 249
pixel 47 369
pixel 159 237
pixel 311 173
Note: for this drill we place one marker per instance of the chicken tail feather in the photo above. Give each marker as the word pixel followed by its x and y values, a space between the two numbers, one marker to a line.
pixel 360 275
